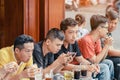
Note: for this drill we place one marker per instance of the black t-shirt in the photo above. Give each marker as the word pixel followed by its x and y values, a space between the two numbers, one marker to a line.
pixel 39 59
pixel 71 48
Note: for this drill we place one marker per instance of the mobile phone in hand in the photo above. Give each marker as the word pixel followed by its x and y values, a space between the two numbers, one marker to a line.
pixel 73 53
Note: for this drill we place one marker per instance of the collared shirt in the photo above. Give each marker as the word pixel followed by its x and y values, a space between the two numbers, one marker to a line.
pixel 7 56
pixel 39 58
pixel 71 48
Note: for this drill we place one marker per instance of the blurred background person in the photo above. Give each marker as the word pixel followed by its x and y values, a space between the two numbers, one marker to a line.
pixel 113 54
pixel 81 24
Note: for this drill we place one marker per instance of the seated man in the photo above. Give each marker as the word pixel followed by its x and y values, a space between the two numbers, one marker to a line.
pixel 113 54
pixel 44 52
pixel 90 45
pixel 70 28
pixel 21 53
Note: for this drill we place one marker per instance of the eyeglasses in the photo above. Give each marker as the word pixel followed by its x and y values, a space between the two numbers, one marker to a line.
pixel 104 27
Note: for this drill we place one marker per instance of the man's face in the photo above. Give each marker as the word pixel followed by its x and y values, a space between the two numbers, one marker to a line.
pixel 25 53
pixel 71 34
pixel 112 25
pixel 54 45
pixel 104 30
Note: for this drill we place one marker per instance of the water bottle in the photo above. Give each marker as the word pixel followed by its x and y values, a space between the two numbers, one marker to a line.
pixel 38 76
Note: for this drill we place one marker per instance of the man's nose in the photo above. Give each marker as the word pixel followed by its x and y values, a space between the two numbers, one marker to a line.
pixel 74 35
pixel 59 47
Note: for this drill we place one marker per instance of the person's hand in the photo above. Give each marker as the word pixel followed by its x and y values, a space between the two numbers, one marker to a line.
pixel 108 41
pixel 10 67
pixel 31 71
pixel 65 58
pixel 94 68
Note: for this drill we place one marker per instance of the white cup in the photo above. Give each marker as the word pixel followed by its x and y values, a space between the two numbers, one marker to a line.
pixel 38 76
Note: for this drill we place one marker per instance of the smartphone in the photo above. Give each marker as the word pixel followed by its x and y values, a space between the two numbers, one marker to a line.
pixel 73 53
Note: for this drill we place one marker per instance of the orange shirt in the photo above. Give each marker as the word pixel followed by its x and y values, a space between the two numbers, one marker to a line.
pixel 88 47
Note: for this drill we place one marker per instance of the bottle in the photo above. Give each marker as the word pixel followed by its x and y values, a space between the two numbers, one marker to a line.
pixel 49 76
pixel 39 75
pixel 51 73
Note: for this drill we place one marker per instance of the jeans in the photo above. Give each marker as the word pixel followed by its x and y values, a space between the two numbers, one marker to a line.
pixel 106 70
pixel 111 67
pixel 116 60
pixel 103 74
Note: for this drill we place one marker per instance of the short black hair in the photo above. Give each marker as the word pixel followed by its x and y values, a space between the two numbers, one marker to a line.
pixel 54 33
pixel 68 22
pixel 21 40
pixel 96 20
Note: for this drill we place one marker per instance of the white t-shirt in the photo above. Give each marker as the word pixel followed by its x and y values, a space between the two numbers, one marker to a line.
pixel 82 32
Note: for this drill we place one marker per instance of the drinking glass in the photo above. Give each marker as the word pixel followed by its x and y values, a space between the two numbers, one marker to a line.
pixel 38 76
pixel 48 77
pixel 58 76
pixel 76 74
pixel 85 74
pixel 68 75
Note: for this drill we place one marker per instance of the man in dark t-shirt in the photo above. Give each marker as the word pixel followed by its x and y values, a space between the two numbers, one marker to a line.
pixel 70 28
pixel 43 54
pixel 40 59
pixel 71 48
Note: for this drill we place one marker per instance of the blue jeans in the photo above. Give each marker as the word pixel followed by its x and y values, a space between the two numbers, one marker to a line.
pixel 111 67
pixel 116 61
pixel 106 70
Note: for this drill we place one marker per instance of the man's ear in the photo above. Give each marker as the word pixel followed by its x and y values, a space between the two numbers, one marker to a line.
pixel 99 28
pixel 17 50
pixel 47 41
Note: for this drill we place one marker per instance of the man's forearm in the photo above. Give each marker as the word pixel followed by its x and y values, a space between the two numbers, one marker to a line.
pixel 103 54
pixel 56 66
pixel 2 73
pixel 17 76
pixel 81 59
pixel 114 52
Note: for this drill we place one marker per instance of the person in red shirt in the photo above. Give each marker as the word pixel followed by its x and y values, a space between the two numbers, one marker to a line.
pixel 90 45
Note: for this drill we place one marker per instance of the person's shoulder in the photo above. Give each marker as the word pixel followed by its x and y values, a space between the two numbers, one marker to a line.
pixel 6 49
pixel 6 53
pixel 85 39
pixel 38 45
pixel 37 48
